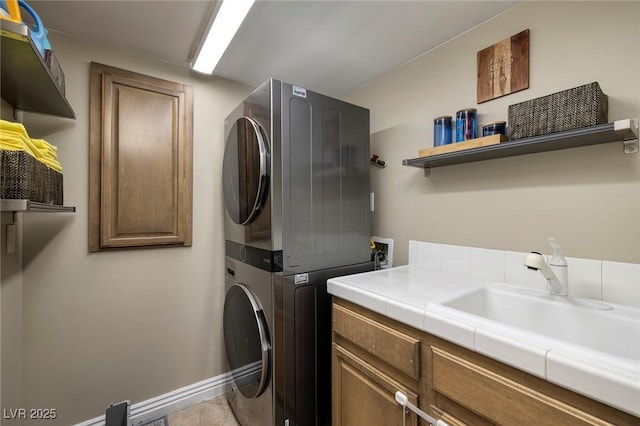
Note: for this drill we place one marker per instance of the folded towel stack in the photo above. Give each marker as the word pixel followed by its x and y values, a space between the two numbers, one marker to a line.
pixel 14 137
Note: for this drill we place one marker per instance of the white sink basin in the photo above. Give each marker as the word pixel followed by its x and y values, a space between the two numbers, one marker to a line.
pixel 610 329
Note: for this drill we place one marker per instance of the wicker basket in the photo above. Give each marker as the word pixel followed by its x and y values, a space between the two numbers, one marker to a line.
pixel 55 69
pixel 23 177
pixel 575 108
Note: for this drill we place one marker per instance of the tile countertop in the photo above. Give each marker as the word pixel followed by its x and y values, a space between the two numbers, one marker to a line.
pixel 409 294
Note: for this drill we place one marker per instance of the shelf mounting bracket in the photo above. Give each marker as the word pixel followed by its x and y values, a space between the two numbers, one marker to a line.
pixel 630 128
pixel 630 146
pixel 427 171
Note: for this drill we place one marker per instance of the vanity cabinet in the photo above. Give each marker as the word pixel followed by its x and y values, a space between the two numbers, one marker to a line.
pixel 371 361
pixel 449 382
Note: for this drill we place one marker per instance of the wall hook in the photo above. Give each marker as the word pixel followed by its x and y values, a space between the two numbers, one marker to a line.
pixel 378 161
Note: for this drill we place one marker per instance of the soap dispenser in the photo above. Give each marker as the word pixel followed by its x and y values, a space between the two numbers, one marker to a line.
pixel 558 265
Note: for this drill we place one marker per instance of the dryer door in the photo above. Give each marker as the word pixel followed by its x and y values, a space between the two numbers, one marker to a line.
pixel 246 339
pixel 245 170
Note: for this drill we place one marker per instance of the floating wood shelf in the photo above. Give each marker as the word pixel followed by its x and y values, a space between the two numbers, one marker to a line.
pixel 625 131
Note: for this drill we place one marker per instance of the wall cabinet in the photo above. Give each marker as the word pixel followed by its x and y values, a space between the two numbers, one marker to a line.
pixel 140 165
pixel 452 384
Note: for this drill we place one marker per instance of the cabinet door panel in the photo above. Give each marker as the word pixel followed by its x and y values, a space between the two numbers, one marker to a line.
pixel 363 395
pixel 499 398
pixel 141 159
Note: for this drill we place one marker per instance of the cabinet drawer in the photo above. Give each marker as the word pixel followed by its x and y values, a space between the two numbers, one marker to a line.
pixel 394 348
pixel 499 398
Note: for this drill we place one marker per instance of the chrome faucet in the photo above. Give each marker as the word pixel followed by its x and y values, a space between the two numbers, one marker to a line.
pixel 557 263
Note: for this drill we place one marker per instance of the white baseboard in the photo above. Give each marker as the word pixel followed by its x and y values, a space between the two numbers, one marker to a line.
pixel 154 408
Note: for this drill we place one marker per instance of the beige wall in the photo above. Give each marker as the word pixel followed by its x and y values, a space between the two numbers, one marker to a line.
pixel 104 327
pixel 10 318
pixel 588 198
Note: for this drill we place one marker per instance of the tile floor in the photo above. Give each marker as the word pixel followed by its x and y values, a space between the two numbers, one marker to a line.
pixel 215 412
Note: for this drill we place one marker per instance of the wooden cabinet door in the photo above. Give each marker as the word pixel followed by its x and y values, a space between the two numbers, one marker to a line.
pixel 140 160
pixel 363 395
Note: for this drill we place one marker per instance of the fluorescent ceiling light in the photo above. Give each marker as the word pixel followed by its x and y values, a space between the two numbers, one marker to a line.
pixel 221 32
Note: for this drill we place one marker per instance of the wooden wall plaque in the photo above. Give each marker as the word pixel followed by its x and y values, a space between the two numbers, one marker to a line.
pixel 503 68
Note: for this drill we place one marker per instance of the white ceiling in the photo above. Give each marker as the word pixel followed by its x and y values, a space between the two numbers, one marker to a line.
pixel 327 46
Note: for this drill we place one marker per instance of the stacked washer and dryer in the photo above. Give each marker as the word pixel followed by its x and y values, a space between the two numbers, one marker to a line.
pixel 296 191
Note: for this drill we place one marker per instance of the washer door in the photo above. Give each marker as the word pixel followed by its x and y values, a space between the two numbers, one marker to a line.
pixel 245 170
pixel 246 339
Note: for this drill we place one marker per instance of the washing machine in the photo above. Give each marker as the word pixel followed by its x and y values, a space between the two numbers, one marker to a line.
pixel 296 192
pixel 248 328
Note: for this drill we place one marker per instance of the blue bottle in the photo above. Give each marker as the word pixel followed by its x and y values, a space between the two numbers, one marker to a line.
pixel 442 130
pixel 466 125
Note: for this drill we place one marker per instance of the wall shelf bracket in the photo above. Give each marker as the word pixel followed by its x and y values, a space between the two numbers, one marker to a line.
pixel 631 146
pixel 631 141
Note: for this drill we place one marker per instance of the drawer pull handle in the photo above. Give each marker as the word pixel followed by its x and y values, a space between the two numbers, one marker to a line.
pixel 404 401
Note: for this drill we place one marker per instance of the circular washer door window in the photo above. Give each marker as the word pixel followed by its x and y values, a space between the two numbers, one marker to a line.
pixel 246 340
pixel 245 170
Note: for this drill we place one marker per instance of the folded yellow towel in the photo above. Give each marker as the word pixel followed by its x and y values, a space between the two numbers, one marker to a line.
pixel 43 144
pixel 46 148
pixel 14 137
pixel 14 127
pixel 15 141
pixel 46 153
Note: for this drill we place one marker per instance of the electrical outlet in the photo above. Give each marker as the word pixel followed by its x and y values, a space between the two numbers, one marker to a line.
pixel 384 251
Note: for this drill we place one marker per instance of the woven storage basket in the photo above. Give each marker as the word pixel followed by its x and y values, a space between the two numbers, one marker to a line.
pixel 55 69
pixel 570 109
pixel 55 187
pixel 23 177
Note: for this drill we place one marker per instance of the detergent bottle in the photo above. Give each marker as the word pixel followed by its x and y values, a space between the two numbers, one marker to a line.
pixel 10 11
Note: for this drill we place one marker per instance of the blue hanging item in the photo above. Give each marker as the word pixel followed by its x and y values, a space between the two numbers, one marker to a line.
pixel 38 31
pixel 45 41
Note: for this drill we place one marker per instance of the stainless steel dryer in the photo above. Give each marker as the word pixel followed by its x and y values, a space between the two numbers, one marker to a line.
pixel 296 191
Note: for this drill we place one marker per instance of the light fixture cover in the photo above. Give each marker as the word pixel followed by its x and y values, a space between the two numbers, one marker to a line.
pixel 221 32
